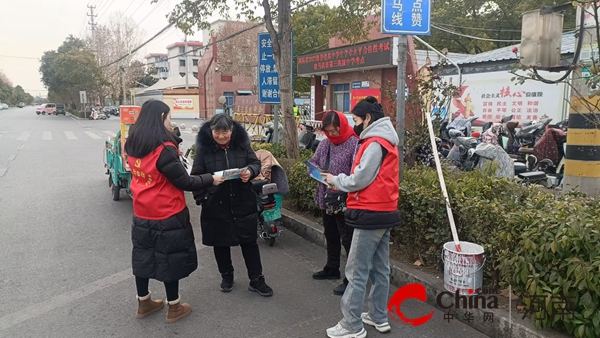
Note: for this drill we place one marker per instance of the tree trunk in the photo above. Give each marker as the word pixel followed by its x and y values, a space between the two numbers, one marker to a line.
pixel 282 51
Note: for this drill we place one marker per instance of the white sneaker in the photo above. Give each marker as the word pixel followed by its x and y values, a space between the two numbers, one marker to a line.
pixel 339 332
pixel 382 328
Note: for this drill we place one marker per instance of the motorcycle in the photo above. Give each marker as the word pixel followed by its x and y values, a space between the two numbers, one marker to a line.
pixel 307 139
pixel 269 186
pixel 94 115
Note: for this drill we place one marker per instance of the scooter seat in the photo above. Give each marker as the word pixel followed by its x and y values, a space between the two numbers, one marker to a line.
pixel 533 176
pixel 257 185
pixel 520 168
pixel 524 150
pixel 467 142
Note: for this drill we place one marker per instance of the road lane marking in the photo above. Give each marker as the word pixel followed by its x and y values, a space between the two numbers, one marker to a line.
pixel 57 301
pixel 70 135
pixel 92 135
pixel 47 136
pixel 3 171
pixel 23 136
pixel 110 133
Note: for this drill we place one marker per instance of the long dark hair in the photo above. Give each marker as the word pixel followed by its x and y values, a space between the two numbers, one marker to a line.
pixel 149 130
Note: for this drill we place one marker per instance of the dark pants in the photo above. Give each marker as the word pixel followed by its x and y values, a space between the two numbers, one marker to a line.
pixel 172 288
pixel 251 258
pixel 337 234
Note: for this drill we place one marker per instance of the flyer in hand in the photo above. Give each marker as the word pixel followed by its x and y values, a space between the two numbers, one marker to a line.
pixel 316 172
pixel 230 174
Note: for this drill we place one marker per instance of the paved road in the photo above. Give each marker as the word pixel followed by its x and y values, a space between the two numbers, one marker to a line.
pixel 65 248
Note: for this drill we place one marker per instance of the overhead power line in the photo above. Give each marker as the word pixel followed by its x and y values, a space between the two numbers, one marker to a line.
pixel 204 46
pixel 471 36
pixel 19 57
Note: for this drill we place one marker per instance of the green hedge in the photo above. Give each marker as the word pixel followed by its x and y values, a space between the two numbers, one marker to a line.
pixel 537 242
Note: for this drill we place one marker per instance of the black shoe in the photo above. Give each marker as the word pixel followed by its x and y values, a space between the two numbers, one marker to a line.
pixel 227 282
pixel 340 289
pixel 327 273
pixel 259 285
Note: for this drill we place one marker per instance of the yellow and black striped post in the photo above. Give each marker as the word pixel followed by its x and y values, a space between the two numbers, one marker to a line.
pixel 582 159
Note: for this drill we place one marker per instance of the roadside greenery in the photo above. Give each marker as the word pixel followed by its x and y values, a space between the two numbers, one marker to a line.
pixel 543 245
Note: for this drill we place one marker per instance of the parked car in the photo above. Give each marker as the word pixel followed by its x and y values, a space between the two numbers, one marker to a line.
pixel 21 104
pixel 60 109
pixel 4 106
pixel 46 108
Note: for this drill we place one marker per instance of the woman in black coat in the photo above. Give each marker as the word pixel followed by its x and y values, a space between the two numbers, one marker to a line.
pixel 162 235
pixel 229 211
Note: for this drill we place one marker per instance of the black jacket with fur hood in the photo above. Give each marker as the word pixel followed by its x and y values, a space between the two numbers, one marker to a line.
pixel 229 211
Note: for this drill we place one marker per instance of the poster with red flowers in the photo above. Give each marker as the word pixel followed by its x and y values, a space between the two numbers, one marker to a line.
pixel 493 95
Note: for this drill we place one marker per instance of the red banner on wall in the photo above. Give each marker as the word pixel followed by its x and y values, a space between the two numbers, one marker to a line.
pixel 357 95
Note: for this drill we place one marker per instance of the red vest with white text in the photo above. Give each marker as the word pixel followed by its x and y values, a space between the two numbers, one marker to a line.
pixel 154 196
pixel 383 193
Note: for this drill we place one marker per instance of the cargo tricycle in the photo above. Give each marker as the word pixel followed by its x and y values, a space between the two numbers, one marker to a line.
pixel 115 159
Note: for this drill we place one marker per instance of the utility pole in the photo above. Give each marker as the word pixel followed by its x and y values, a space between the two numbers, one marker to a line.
pixel 187 66
pixel 123 84
pixel 582 162
pixel 401 99
pixel 93 27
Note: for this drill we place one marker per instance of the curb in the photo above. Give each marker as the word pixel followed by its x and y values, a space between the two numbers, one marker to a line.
pixel 74 117
pixel 402 274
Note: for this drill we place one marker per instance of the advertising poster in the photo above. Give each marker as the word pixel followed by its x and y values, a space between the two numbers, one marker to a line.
pixel 358 95
pixel 491 96
pixel 183 103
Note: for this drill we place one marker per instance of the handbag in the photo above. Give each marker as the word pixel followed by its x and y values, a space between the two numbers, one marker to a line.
pixel 335 202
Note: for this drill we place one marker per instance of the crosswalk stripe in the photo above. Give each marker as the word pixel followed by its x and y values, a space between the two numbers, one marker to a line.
pixel 92 135
pixel 47 136
pixel 110 133
pixel 70 135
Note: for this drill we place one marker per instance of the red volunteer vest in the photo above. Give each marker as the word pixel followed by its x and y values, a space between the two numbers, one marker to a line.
pixel 154 196
pixel 381 195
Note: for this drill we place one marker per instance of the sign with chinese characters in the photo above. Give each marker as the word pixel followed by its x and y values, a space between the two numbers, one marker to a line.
pixel 492 96
pixel 268 76
pixel 249 105
pixel 374 53
pixel 356 85
pixel 183 103
pixel 406 17
pixel 357 95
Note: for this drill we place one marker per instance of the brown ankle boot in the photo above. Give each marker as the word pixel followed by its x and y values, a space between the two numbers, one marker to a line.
pixel 177 310
pixel 147 306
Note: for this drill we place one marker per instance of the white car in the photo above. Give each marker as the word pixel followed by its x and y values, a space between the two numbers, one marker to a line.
pixel 4 106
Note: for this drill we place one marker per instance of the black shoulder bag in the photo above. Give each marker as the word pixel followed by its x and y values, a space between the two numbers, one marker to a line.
pixel 335 202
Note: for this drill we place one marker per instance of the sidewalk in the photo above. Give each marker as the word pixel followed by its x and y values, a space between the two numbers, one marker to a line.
pixel 404 274
pixel 104 305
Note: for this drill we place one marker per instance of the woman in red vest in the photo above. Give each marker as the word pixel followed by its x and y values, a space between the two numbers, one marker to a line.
pixel 162 235
pixel 372 203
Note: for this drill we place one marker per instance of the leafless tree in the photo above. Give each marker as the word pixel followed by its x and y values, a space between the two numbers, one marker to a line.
pixel 111 42
pixel 238 56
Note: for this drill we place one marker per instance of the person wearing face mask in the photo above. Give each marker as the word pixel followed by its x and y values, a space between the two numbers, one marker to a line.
pixel 162 235
pixel 229 214
pixel 334 154
pixel 373 193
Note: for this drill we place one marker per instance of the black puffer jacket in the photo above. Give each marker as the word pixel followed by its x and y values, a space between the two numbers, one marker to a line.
pixel 164 249
pixel 229 211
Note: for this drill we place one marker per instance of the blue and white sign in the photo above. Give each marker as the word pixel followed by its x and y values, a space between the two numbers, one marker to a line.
pixel 268 76
pixel 406 17
pixel 356 85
